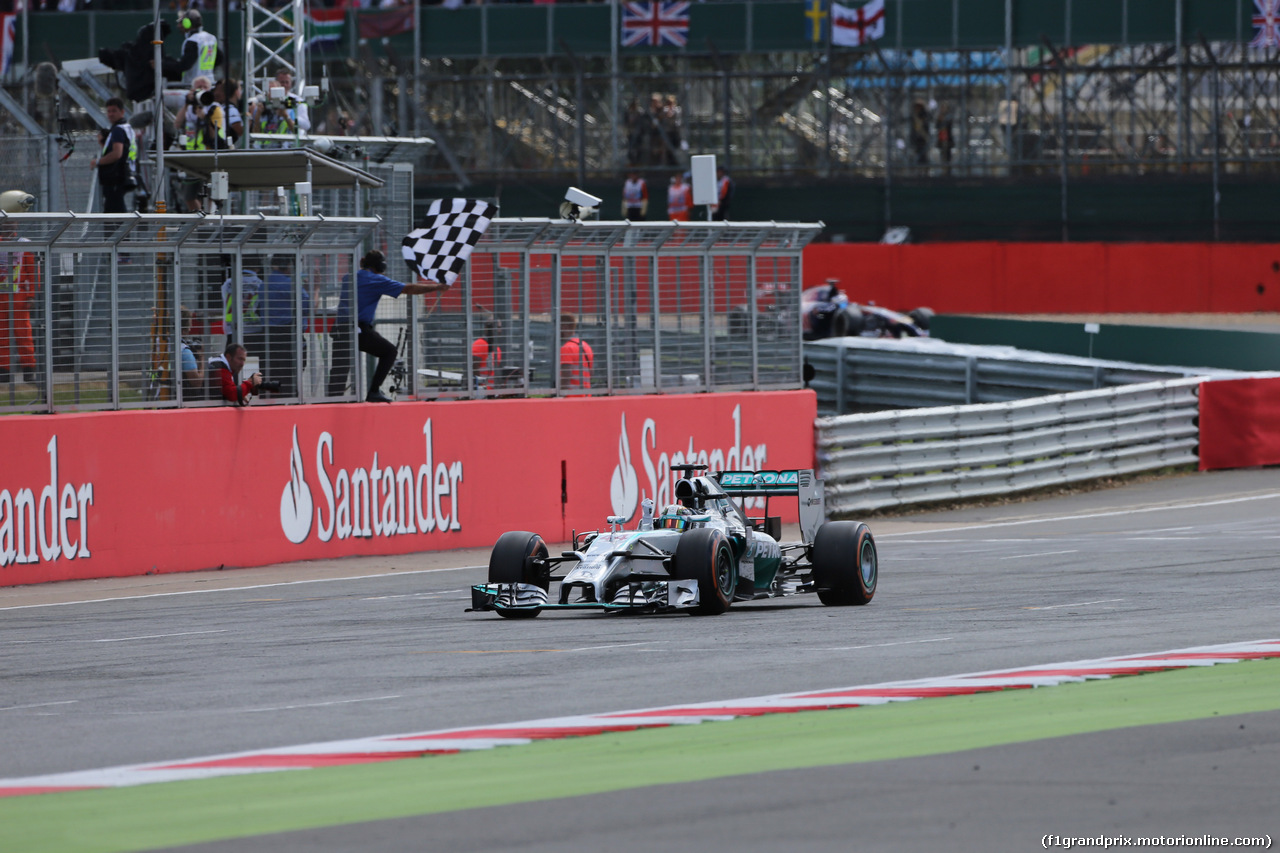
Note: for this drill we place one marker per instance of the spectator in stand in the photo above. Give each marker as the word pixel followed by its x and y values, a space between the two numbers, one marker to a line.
pixel 634 122
pixel 576 357
pixel 679 199
pixel 224 370
pixel 920 132
pixel 635 197
pixel 673 121
pixel 724 195
pixel 945 140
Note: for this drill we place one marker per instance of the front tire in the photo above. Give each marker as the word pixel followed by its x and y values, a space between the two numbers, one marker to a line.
pixel 848 323
pixel 845 564
pixel 703 555
pixel 512 561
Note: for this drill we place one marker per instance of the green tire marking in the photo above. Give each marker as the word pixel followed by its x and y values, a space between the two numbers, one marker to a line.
pixel 178 813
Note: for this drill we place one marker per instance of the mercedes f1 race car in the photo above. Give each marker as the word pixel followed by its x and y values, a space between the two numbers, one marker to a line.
pixel 699 555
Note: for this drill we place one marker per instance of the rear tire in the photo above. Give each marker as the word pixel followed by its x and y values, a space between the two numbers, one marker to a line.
pixel 845 565
pixel 512 562
pixel 703 555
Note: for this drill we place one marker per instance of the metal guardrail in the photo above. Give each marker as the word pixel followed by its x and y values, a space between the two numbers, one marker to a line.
pixel 870 374
pixel 889 459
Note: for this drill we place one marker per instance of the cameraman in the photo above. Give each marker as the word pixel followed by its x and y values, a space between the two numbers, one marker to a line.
pixel 287 118
pixel 229 365
pixel 192 118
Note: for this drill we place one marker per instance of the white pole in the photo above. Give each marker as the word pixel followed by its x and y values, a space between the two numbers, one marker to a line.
pixel 419 103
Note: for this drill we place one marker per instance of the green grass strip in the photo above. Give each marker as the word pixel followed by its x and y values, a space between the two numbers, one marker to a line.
pixel 177 813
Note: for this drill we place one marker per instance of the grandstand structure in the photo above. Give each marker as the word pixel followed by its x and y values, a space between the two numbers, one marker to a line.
pixel 1041 96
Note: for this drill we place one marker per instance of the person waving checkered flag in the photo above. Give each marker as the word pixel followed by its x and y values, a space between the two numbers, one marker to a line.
pixel 438 250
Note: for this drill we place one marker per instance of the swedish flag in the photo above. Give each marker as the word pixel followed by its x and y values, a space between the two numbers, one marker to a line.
pixel 817 16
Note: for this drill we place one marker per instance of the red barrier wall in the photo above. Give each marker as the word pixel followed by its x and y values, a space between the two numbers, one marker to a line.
pixel 1239 423
pixel 125 493
pixel 1054 278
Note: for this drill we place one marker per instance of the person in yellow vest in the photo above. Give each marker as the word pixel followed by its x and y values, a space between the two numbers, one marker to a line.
pixel 192 122
pixel 200 54
pixel 635 197
pixel 287 118
pixel 118 163
pixel 679 199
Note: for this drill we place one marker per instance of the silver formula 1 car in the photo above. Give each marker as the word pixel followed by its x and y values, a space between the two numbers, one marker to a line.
pixel 699 555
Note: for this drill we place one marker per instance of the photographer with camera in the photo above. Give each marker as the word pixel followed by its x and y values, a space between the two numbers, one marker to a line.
pixel 230 387
pixel 226 368
pixel 287 117
pixel 117 165
pixel 192 119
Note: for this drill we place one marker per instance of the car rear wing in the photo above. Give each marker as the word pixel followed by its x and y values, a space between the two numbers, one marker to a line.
pixel 802 484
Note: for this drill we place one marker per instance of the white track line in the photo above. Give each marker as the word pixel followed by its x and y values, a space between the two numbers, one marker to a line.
pixel 510 734
pixel 1055 519
pixel 239 588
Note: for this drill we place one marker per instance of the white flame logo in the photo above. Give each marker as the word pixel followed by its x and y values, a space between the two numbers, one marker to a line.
pixel 295 501
pixel 624 488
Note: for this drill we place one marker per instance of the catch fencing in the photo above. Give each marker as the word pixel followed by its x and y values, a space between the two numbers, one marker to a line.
pixel 891 459
pixel 654 307
pixel 104 305
pixel 99 319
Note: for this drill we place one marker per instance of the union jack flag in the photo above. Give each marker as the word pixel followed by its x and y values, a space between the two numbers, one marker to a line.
pixel 1267 22
pixel 658 22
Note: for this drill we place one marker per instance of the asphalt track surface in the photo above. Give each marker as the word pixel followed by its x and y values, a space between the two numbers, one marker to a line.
pixel 195 671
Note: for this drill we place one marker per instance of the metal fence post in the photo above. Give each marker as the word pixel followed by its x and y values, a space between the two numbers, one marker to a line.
pixel 840 372
pixel 113 381
pixel 48 331
pixel 706 263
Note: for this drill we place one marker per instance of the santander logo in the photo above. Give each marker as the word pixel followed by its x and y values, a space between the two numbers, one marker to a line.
pixel 383 499
pixel 625 491
pixel 624 487
pixel 295 501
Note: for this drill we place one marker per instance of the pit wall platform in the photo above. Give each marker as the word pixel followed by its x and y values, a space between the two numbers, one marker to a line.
pixel 112 494
pixel 1054 278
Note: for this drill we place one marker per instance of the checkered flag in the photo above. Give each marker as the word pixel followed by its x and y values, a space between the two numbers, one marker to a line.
pixel 438 250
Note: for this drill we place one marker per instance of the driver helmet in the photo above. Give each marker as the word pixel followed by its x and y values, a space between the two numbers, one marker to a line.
pixel 674 517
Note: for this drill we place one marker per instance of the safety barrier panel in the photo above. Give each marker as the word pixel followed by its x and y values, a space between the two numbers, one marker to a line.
pixel 108 494
pixel 867 374
pixel 890 459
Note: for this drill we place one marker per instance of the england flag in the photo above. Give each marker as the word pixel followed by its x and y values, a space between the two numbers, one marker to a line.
pixel 852 27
